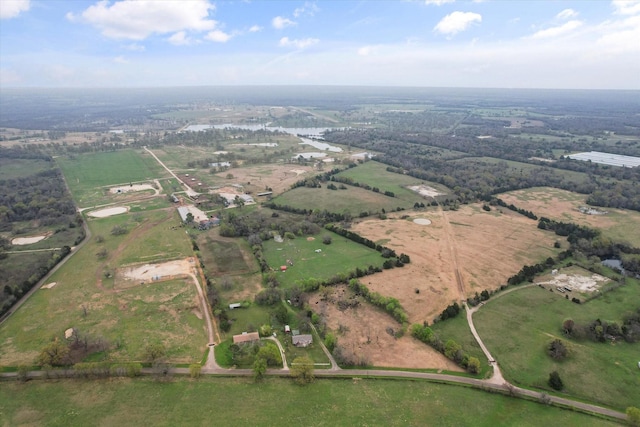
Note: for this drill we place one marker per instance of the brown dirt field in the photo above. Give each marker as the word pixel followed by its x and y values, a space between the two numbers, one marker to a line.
pixel 489 248
pixel 368 338
pixel 563 205
pixel 277 177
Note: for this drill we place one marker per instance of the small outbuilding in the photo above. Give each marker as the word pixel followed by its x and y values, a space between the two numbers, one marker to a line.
pixel 283 268
pixel 246 337
pixel 235 305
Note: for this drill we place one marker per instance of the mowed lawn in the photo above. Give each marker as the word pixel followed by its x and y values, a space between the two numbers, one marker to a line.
pixel 272 402
pixel 88 174
pixel 376 175
pixel 127 319
pixel 341 256
pixel 561 205
pixel 353 200
pixel 518 327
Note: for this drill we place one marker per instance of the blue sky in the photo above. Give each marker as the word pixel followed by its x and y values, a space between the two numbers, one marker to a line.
pixel 442 43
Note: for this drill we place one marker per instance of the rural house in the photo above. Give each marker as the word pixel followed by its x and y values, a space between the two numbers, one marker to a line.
pixel 246 337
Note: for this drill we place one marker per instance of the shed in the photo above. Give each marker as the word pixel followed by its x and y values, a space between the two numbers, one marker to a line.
pixel 235 305
pixel 246 337
pixel 283 268
pixel 302 340
pixel 287 329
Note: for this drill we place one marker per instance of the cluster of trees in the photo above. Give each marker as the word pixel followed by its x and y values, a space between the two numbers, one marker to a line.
pixel 528 272
pixel 355 237
pixel 514 208
pixel 388 304
pixel 450 312
pixel 569 229
pixel 478 298
pixel 602 330
pixel 450 349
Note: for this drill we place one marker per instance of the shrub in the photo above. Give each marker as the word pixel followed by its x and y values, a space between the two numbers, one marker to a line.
pixel 195 370
pixel 557 350
pixel 555 382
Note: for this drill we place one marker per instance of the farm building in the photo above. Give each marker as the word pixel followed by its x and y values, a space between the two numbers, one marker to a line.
pixel 246 337
pixel 197 214
pixel 235 305
pixel 302 340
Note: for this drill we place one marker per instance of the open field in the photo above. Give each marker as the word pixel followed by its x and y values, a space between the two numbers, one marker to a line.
pixel 20 168
pixel 363 333
pixel 619 224
pixel 127 318
pixel 353 200
pixel 518 327
pixel 376 175
pixel 88 175
pixel 225 256
pixel 273 401
pixel 483 264
pixel 341 256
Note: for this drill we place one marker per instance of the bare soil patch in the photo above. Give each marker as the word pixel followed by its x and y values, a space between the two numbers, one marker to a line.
pixel 103 213
pixel 425 190
pixel 49 285
pixel 573 279
pixel 490 246
pixel 131 188
pixel 19 241
pixel 127 277
pixel 365 334
pixel 277 177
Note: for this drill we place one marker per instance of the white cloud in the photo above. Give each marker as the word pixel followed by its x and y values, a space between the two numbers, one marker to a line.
pixel 626 7
pixel 255 29
pixel 367 50
pixel 137 20
pixel 298 43
pixel 620 37
pixel 308 9
pixel 280 22
pixel 456 22
pixel 12 8
pixel 566 14
pixel 135 47
pixel 438 2
pixel 218 36
pixel 560 30
pixel 120 60
pixel 180 39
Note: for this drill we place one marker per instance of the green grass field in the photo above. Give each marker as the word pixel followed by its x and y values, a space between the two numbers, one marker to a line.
pixel 21 168
pixel 273 401
pixel 125 318
pixel 375 174
pixel 458 330
pixel 88 174
pixel 341 256
pixel 353 200
pixel 518 326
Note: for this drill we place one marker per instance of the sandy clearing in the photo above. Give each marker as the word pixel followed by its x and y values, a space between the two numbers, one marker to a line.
pixel 130 188
pixel 49 285
pixel 103 213
pixel 422 221
pixel 18 241
pixel 577 282
pixel 491 247
pixel 278 178
pixel 367 337
pixel 125 276
pixel 425 190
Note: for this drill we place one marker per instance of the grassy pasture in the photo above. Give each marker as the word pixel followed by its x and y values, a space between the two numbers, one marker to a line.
pixel 21 168
pixel 518 327
pixel 87 174
pixel 273 401
pixel 225 256
pixel 353 200
pixel 562 205
pixel 458 330
pixel 115 316
pixel 376 175
pixel 341 256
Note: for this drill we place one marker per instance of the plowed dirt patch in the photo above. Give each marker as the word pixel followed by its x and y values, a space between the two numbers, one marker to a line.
pixel 365 335
pixel 490 246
